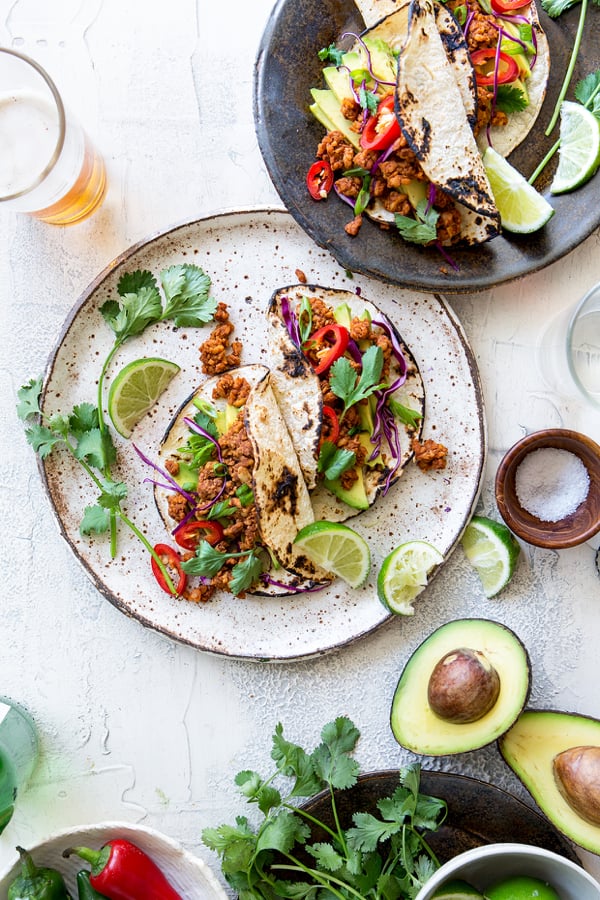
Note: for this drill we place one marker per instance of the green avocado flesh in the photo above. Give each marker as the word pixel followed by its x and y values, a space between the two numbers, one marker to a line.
pixel 529 749
pixel 413 722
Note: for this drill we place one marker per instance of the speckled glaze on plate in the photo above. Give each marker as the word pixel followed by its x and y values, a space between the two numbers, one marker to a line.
pixel 287 66
pixel 248 255
pixel 478 813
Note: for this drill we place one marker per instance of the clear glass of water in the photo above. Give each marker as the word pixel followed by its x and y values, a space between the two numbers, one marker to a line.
pixel 568 352
pixel 19 751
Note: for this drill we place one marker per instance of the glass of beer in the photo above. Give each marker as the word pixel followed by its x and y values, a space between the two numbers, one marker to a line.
pixel 48 166
pixel 19 750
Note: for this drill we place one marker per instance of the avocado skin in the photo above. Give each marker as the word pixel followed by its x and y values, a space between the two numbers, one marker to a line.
pixel 414 724
pixel 529 748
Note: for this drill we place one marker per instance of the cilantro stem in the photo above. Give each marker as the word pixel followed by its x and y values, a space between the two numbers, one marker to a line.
pixel 570 67
pixel 327 881
pixel 306 815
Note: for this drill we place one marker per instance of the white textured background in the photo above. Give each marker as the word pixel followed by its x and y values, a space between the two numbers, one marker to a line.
pixel 133 726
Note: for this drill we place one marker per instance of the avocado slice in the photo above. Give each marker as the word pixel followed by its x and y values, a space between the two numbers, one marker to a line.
pixel 530 748
pixel 355 496
pixel 414 723
pixel 329 109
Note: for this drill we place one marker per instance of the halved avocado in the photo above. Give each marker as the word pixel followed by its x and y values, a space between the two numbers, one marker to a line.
pixel 531 747
pixel 470 650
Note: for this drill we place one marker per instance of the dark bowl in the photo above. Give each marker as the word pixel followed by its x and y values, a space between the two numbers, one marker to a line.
pixel 573 529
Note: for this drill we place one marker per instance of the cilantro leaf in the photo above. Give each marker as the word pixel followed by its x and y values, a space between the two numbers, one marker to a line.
pixel 245 573
pixel 333 460
pixel 422 229
pixel 207 561
pixel 510 99
pixel 326 856
pixel 331 54
pixel 282 832
pixel 29 399
pixel 368 100
pixel 343 379
pixel 42 439
pixel 186 289
pixel 83 418
pixel 407 416
pixel 587 92
pixel 293 761
pixel 257 791
pixel 96 520
pixel 113 492
pixel 331 760
pixel 96 448
pixel 140 305
pixel 368 831
pixel 554 8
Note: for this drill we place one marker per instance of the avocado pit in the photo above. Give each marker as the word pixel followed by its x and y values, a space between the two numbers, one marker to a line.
pixel 577 776
pixel 463 686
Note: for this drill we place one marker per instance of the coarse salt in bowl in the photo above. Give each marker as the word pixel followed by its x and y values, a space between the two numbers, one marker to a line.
pixel 548 488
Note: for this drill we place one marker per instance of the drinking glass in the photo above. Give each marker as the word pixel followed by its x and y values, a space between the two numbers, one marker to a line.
pixel 568 352
pixel 19 751
pixel 48 166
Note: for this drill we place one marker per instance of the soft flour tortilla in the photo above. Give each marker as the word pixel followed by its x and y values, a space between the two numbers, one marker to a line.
pixel 280 492
pixel 305 424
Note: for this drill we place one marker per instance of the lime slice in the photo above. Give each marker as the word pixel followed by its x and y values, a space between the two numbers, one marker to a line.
pixel 522 209
pixel 338 549
pixel 136 389
pixel 493 551
pixel 456 890
pixel 404 574
pixel 521 887
pixel 579 151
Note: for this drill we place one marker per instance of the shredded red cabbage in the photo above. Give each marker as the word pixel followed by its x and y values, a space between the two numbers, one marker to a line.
pixel 396 348
pixel 290 320
pixel 193 426
pixel 172 484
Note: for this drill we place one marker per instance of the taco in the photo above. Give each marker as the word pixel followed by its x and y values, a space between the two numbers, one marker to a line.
pixel 362 403
pixel 414 162
pixel 234 495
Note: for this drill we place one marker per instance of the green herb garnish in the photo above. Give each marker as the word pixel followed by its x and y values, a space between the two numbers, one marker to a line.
pixel 407 416
pixel 331 54
pixel 422 229
pixel 350 387
pixel 510 99
pixel 333 461
pixel 209 562
pixel 382 855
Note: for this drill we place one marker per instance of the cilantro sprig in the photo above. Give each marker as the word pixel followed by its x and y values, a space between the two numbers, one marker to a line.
pixel 83 432
pixel 208 562
pixel 381 855
pixel 350 387
pixel 422 229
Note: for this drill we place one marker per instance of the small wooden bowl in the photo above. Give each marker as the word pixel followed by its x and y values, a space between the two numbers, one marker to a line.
pixel 574 529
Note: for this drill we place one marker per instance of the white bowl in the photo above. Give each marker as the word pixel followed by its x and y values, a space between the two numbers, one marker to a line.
pixel 188 874
pixel 484 866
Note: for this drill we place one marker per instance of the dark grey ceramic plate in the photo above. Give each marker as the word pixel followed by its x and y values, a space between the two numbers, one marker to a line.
pixel 287 67
pixel 478 813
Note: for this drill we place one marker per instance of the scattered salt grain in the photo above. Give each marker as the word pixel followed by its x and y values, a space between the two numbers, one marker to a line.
pixel 551 483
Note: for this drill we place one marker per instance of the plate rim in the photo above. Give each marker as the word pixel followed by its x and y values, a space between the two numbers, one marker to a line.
pixel 217 216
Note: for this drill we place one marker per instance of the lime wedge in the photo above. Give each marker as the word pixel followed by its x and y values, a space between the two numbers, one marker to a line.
pixel 404 574
pixel 338 549
pixel 456 890
pixel 579 151
pixel 522 887
pixel 522 209
pixel 136 389
pixel 493 551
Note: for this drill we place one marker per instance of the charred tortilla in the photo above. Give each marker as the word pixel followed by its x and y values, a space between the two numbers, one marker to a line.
pixel 306 421
pixel 278 488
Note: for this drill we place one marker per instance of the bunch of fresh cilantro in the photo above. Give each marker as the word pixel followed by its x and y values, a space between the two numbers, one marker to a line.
pixel 83 431
pixel 382 855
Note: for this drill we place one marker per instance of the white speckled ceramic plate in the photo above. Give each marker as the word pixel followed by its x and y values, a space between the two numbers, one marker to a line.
pixel 187 874
pixel 248 255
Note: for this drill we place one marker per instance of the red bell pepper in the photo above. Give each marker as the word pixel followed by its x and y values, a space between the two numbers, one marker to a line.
pixel 319 179
pixel 484 63
pixel 333 424
pixel 382 128
pixel 171 560
pixel 326 345
pixel 189 534
pixel 505 7
pixel 122 871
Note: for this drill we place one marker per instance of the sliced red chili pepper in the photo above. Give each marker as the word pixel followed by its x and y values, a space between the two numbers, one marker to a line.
pixel 326 345
pixel 189 534
pixel 381 129
pixel 484 62
pixel 507 6
pixel 319 179
pixel 170 558
pixel 333 424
